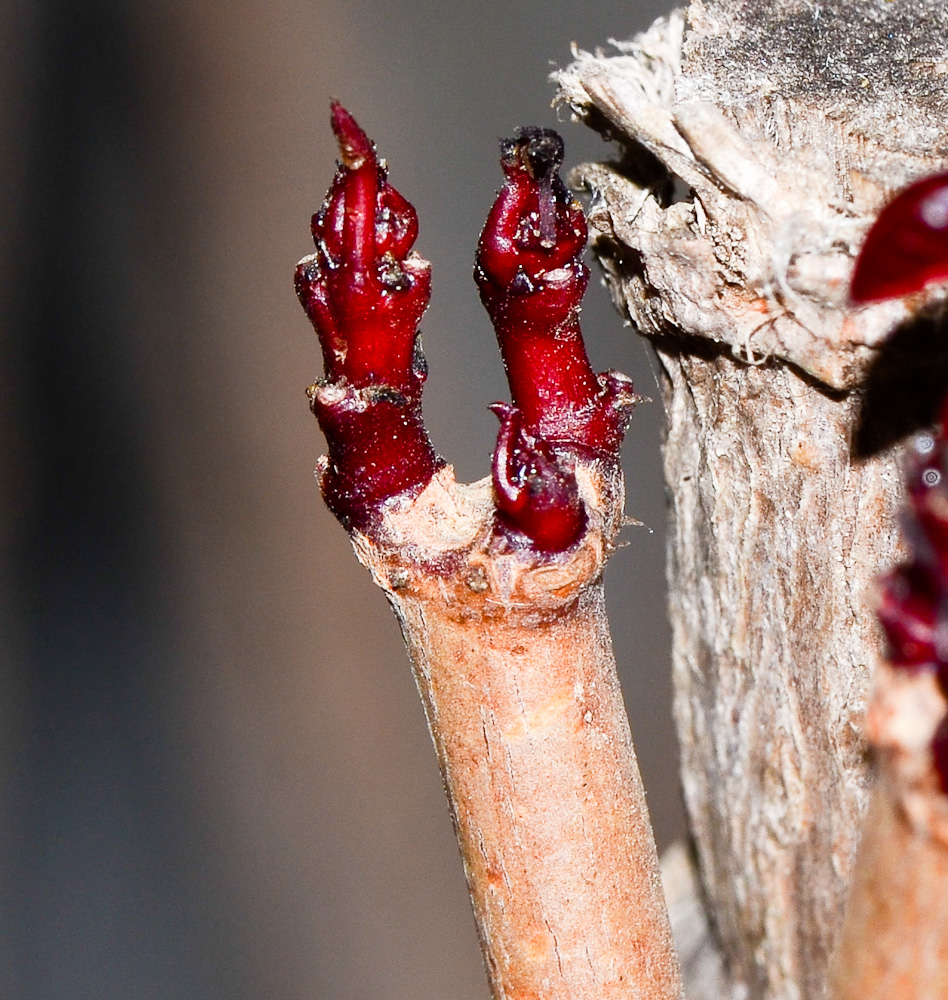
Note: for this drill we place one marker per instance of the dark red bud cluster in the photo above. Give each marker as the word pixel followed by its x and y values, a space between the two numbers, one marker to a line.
pixel 914 606
pixel 365 291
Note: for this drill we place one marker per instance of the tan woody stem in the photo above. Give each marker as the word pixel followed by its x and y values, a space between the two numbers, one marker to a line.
pixel 894 943
pixel 512 656
pixel 895 939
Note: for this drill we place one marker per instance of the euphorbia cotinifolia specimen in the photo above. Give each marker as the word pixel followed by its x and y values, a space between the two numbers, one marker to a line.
pixel 364 290
pixel 906 248
pixel 498 585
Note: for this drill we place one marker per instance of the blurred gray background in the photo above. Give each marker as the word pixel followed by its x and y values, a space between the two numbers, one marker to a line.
pixel 215 780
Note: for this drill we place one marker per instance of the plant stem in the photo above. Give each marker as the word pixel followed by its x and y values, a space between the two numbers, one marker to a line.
pixel 894 942
pixel 513 660
pixel 498 586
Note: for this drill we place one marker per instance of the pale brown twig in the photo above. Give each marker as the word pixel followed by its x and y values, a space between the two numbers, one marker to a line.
pixel 894 942
pixel 512 656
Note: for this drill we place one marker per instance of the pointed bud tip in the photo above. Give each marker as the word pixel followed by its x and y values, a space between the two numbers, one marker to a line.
pixel 355 147
pixel 538 151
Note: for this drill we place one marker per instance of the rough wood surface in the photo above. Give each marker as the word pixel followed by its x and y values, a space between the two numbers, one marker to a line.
pixel 758 139
pixel 513 660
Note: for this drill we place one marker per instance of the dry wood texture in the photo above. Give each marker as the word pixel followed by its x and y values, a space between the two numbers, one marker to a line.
pixel 513 660
pixel 757 142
